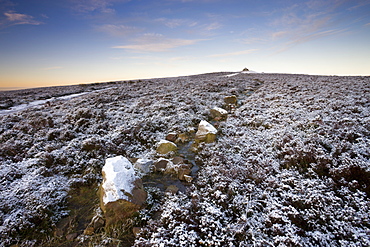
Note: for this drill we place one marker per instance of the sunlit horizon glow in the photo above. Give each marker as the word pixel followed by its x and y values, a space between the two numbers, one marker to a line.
pixel 51 43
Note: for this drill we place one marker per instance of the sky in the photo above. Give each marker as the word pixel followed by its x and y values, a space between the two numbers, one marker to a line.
pixel 47 43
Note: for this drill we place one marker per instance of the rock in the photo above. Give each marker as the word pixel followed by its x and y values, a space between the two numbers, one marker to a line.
pixel 72 236
pixel 172 137
pixel 172 189
pixel 136 231
pixel 206 132
pixel 218 113
pixel 177 160
pixel 121 193
pixel 188 178
pixel 183 170
pixel 164 147
pixel 161 165
pixel 183 137
pixel 143 165
pixel 245 69
pixel 231 100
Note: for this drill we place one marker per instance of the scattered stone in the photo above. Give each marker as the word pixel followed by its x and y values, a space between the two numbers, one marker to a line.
pixel 136 231
pixel 177 160
pixel 122 192
pixel 172 189
pixel 71 236
pixel 206 132
pixel 183 137
pixel 172 137
pixel 161 165
pixel 218 114
pixel 164 147
pixel 183 170
pixel 143 165
pixel 231 100
pixel 188 178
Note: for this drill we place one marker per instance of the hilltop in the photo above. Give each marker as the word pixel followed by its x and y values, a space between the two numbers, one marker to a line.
pixel 290 165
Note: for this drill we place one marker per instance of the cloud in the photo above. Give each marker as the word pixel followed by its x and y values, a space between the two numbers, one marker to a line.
pixel 153 42
pixel 117 30
pixel 102 6
pixel 173 23
pixel 308 37
pixel 304 22
pixel 238 53
pixel 20 19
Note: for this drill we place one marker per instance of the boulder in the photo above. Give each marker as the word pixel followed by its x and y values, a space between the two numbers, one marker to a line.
pixel 164 147
pixel 122 192
pixel 206 132
pixel 218 113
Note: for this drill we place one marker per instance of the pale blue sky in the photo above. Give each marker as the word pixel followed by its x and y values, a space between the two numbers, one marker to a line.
pixel 45 42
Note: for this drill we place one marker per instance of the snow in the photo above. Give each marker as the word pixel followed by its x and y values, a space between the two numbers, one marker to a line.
pixel 119 177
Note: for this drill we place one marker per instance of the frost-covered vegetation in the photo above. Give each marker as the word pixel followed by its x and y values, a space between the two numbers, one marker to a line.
pixel 290 167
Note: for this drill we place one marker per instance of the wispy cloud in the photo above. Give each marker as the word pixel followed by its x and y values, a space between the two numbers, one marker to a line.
pixel 306 38
pixel 157 43
pixel 13 18
pixel 101 6
pixel 237 53
pixel 173 23
pixel 117 30
pixel 304 22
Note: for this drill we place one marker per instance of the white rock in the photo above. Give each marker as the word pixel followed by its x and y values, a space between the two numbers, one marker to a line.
pixel 119 177
pixel 206 132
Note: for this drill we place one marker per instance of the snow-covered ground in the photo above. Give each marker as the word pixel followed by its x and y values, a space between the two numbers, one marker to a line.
pixel 290 167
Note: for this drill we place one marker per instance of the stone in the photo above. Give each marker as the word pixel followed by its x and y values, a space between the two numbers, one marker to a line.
pixel 122 192
pixel 206 132
pixel 72 236
pixel 188 178
pixel 183 170
pixel 218 113
pixel 231 100
pixel 172 137
pixel 161 165
pixel 143 165
pixel 136 231
pixel 164 147
pixel 177 160
pixel 172 189
pixel 183 137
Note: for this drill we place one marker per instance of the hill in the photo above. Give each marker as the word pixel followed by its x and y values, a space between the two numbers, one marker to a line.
pixel 290 165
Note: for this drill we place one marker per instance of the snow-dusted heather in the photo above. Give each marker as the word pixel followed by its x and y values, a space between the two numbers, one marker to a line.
pixel 119 176
pixel 290 166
